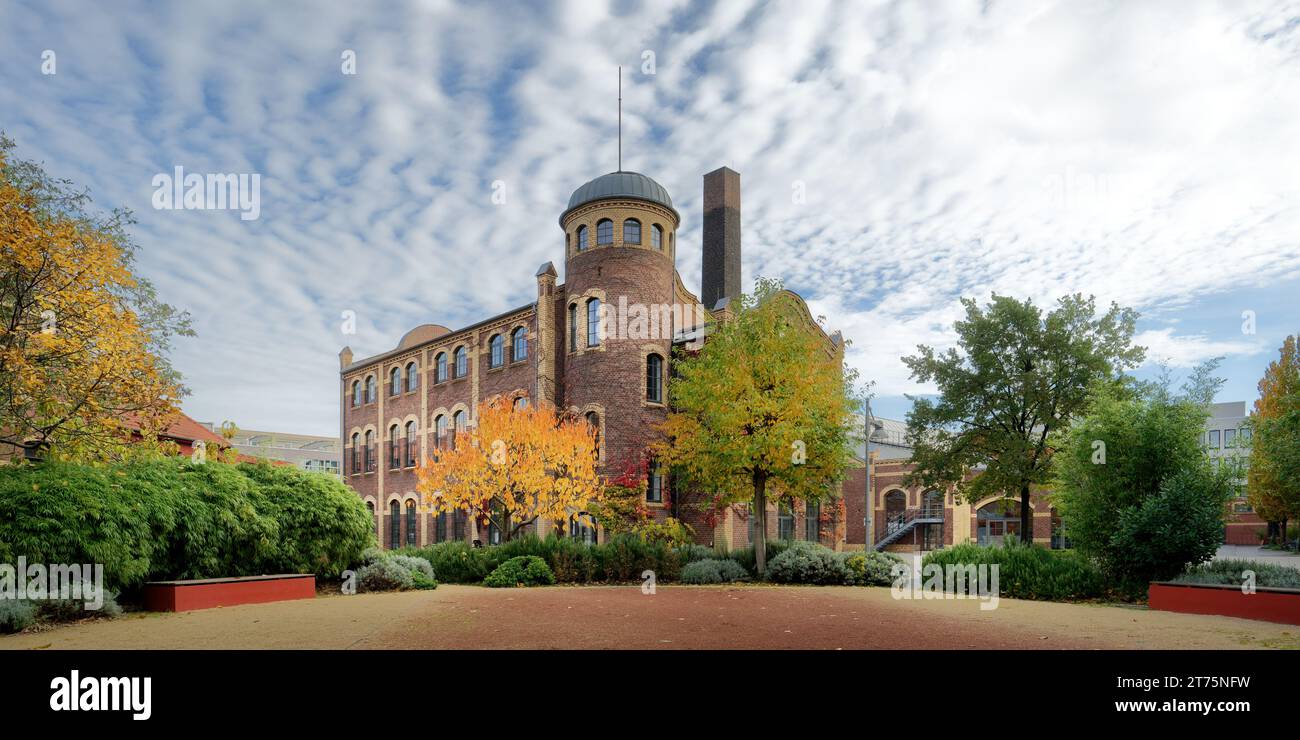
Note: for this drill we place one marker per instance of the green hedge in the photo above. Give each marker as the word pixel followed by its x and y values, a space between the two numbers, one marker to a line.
pixel 1229 572
pixel 168 518
pixel 622 559
pixel 523 570
pixel 1029 571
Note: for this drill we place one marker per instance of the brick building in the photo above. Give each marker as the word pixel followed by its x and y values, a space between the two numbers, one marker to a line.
pixel 598 344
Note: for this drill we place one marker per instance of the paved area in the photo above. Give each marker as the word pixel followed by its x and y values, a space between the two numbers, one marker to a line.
pixel 676 617
pixel 1257 554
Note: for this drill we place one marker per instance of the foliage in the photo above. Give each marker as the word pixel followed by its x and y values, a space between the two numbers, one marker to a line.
pixel 513 466
pixel 870 568
pixel 623 510
pixel 83 340
pixel 393 571
pixel 1150 503
pixel 525 570
pixel 1230 573
pixel 169 518
pixel 1029 571
pixel 713 571
pixel 1019 376
pixel 1273 481
pixel 622 559
pixel 16 615
pixel 764 401
pixel 811 563
pixel 19 614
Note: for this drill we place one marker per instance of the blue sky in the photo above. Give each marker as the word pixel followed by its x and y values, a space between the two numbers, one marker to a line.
pixel 1142 152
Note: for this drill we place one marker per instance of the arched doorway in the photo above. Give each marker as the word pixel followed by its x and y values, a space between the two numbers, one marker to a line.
pixel 997 520
pixel 895 506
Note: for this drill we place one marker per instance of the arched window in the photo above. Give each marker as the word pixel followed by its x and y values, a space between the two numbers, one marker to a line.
pixel 581 238
pixel 519 344
pixel 654 491
pixel 412 378
pixel 593 420
pixel 784 521
pixel 356 453
pixel 573 327
pixel 410 522
pixel 812 521
pixel 631 231
pixel 370 507
pixel 582 527
pixel 440 432
pixel 440 527
pixel 395 381
pixel 411 445
pixel 459 522
pixel 394 451
pixel 458 424
pixel 497 346
pixel 657 236
pixel 356 393
pixel 394 526
pixel 370 452
pixel 932 504
pixel 440 367
pixel 462 362
pixel 654 378
pixel 372 391
pixel 604 231
pixel 521 403
pixel 593 322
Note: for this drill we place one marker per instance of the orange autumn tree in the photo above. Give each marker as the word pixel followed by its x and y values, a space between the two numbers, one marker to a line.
pixel 513 467
pixel 83 340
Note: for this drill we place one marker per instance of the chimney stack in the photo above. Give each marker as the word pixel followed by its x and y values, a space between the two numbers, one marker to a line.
pixel 720 276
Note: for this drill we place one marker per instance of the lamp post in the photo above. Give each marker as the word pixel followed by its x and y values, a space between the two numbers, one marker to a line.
pixel 868 537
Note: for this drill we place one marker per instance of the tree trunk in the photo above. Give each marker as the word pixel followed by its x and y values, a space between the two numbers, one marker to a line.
pixel 760 523
pixel 1026 516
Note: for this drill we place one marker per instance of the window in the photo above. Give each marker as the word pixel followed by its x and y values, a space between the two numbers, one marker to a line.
pixel 1245 434
pixel 411 444
pixel 519 344
pixel 573 327
pixel 521 403
pixel 654 379
pixel 458 525
pixel 497 346
pixel 356 393
pixel 656 236
pixel 631 231
pixel 582 528
pixel 370 452
pixel 604 231
pixel 1214 439
pixel 581 238
pixel 395 381
pixel 356 453
pixel 410 522
pixel 394 457
pixel 394 526
pixel 784 521
pixel 812 521
pixel 440 432
pixel 1229 436
pixel 593 322
pixel 458 426
pixel 372 391
pixel 412 378
pixel 440 367
pixel 655 485
pixel 593 421
pixel 462 362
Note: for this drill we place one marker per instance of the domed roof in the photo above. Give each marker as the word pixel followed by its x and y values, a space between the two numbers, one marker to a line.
pixel 620 185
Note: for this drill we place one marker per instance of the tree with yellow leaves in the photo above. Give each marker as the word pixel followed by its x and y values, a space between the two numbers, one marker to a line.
pixel 82 339
pixel 1273 485
pixel 514 466
pixel 764 406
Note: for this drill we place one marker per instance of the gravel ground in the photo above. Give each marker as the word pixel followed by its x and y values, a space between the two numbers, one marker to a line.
pixel 676 617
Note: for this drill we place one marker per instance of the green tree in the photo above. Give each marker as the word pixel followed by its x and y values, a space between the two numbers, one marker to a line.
pixel 764 403
pixel 1133 484
pixel 1018 377
pixel 1271 486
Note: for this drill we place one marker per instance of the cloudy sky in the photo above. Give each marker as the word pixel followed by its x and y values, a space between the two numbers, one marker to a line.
pixel 1144 152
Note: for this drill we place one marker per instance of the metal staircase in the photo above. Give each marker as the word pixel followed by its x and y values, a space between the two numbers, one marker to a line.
pixel 900 524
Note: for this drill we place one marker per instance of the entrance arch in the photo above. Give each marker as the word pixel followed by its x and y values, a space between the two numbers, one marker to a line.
pixel 996 520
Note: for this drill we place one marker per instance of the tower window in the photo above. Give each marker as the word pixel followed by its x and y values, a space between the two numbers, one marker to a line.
pixel 656 236
pixel 497 344
pixel 462 362
pixel 573 327
pixel 654 491
pixel 593 322
pixel 654 379
pixel 412 377
pixel 593 420
pixel 521 403
pixel 440 367
pixel 519 344
pixel 631 231
pixel 580 238
pixel 604 231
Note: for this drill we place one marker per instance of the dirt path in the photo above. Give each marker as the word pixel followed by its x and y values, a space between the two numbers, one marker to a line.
pixel 677 617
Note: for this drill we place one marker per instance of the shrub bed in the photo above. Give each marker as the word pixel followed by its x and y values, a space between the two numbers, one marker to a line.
pixel 524 570
pixel 1229 573
pixel 169 518
pixel 1029 571
pixel 710 570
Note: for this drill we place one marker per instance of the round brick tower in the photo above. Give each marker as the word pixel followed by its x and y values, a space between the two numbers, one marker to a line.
pixel 620 246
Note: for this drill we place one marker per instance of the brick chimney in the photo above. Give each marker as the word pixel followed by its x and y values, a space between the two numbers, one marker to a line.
pixel 720 276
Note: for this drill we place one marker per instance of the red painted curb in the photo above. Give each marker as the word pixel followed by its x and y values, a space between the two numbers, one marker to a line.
pixel 1267 604
pixel 183 596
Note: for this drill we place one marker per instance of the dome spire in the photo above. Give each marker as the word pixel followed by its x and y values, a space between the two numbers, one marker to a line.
pixel 620 118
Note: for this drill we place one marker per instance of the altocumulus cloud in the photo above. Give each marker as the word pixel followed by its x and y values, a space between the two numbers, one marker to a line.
pixel 1143 152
